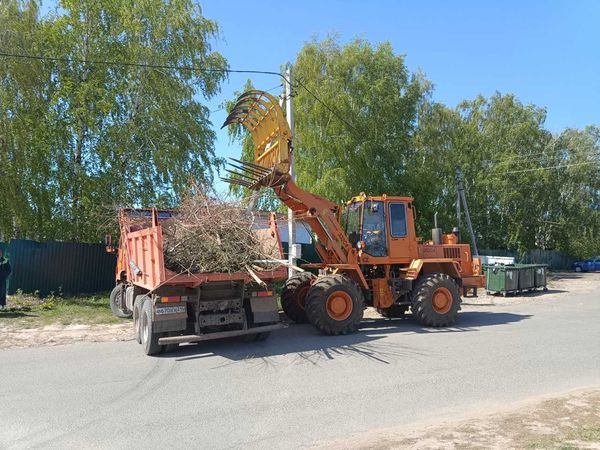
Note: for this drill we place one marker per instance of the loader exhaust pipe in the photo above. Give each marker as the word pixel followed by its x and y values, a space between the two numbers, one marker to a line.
pixel 436 233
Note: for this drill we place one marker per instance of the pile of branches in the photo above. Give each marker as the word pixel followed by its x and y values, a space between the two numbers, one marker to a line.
pixel 212 235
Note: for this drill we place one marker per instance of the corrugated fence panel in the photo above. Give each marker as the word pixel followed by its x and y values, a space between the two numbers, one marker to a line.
pixel 67 267
pixel 554 259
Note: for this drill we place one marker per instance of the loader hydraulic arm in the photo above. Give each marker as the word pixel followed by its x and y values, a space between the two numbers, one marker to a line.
pixel 321 215
pixel 261 114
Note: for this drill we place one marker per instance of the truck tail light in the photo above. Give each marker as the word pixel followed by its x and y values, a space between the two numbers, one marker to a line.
pixel 171 299
pixel 262 294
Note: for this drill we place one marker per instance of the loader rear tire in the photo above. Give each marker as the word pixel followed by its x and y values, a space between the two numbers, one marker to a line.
pixel 335 305
pixel 149 337
pixel 115 302
pixel 293 296
pixel 435 301
pixel 393 312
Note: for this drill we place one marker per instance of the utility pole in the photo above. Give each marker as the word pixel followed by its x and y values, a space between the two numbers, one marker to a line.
pixel 461 194
pixel 289 112
pixel 458 218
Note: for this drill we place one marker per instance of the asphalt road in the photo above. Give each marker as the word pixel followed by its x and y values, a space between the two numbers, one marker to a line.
pixel 298 388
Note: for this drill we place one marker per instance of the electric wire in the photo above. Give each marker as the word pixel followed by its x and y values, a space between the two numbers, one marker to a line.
pixel 544 168
pixel 176 67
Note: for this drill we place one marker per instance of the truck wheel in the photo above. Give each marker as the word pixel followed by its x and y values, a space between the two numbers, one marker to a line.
pixel 335 305
pixel 293 296
pixel 435 301
pixel 393 312
pixel 149 338
pixel 115 302
pixel 137 314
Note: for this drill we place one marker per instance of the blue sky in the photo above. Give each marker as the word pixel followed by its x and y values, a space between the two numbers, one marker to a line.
pixel 545 52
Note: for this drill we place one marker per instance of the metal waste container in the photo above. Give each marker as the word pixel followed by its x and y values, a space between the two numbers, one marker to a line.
pixel 526 276
pixel 502 279
pixel 539 275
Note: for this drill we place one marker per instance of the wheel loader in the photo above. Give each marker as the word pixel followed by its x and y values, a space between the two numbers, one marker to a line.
pixel 369 250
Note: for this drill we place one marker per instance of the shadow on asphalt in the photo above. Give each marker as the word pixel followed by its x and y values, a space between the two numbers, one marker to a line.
pixel 309 346
pixel 525 294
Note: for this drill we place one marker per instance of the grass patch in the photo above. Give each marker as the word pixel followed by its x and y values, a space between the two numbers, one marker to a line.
pixel 569 440
pixel 30 311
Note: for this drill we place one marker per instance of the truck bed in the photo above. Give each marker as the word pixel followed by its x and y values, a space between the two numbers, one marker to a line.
pixel 142 258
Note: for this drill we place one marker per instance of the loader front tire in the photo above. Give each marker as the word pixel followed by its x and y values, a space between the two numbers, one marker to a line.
pixel 115 302
pixel 293 296
pixel 435 300
pixel 149 337
pixel 335 305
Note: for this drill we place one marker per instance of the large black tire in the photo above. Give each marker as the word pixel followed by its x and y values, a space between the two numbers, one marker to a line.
pixel 149 337
pixel 293 296
pixel 335 305
pixel 435 300
pixel 137 317
pixel 393 312
pixel 115 302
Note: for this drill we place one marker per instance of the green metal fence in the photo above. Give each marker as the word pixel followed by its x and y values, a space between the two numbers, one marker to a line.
pixel 67 267
pixel 553 259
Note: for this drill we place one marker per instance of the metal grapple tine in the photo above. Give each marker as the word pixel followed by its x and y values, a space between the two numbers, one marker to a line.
pixel 241 174
pixel 252 165
pixel 237 181
pixel 246 169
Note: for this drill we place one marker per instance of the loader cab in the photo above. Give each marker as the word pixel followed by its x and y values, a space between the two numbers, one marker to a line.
pixel 382 227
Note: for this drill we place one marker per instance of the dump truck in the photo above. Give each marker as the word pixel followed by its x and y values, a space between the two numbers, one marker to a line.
pixel 170 308
pixel 369 248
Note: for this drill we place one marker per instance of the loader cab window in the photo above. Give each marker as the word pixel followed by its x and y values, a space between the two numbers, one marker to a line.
pixel 398 219
pixel 373 230
pixel 352 222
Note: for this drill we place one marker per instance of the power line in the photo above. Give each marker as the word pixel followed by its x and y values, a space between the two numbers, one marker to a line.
pixel 134 64
pixel 545 168
pixel 531 157
pixel 175 67
pixel 330 109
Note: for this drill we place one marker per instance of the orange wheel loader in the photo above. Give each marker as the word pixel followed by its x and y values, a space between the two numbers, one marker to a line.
pixel 370 253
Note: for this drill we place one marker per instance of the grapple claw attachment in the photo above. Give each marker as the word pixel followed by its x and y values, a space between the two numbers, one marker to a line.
pixel 262 116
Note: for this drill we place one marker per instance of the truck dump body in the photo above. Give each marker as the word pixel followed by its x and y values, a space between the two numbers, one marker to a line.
pixel 142 256
pixel 171 308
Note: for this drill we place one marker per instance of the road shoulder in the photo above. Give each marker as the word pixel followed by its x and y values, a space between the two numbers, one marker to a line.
pixel 570 420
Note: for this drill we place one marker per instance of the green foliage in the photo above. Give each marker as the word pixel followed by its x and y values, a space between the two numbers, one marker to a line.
pixel 381 133
pixel 77 137
pixel 363 141
pixel 501 144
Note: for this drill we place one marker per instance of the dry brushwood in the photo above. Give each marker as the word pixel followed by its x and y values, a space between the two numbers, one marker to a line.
pixel 212 235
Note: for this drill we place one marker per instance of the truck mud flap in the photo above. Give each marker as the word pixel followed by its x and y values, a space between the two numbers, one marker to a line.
pixel 218 335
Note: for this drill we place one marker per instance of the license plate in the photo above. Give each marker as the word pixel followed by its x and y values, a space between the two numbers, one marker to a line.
pixel 171 310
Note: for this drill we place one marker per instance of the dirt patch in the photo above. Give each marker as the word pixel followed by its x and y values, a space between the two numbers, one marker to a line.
pixel 63 334
pixel 567 421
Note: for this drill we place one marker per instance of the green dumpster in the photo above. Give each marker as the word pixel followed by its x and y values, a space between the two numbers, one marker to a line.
pixel 526 276
pixel 502 279
pixel 540 276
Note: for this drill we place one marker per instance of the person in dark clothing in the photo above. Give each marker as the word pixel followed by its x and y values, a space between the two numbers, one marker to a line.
pixel 4 273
